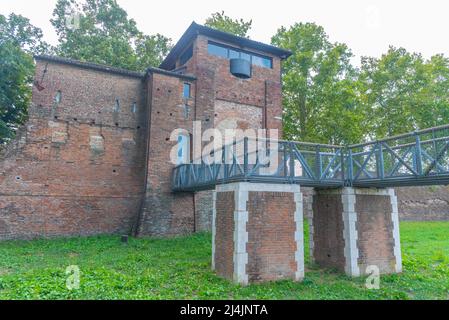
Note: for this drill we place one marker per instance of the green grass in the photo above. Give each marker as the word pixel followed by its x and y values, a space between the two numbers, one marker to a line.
pixel 180 269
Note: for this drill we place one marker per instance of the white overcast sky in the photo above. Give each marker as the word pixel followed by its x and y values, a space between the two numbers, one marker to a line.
pixel 368 27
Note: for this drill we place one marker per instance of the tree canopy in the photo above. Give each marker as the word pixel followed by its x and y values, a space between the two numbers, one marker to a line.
pixel 404 92
pixel 100 31
pixel 326 98
pixel 19 40
pixel 220 21
pixel 320 91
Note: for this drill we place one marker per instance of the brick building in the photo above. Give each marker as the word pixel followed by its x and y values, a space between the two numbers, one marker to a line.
pixel 94 156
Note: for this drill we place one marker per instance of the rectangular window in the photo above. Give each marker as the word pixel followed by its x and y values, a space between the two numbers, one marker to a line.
pixel 217 50
pixel 245 56
pixel 186 55
pixel 233 53
pixel 186 91
pixel 262 61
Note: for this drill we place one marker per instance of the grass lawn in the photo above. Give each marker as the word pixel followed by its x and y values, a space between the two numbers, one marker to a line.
pixel 180 269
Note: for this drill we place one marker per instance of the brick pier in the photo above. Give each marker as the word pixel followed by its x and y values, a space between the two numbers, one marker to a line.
pixel 258 232
pixel 354 228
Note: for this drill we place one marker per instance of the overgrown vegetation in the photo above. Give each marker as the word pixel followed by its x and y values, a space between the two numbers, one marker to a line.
pixel 180 269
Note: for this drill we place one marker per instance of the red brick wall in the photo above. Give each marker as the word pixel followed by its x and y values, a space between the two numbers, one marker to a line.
pixel 220 96
pixel 271 236
pixel 76 168
pixel 375 232
pixel 203 208
pixel 224 236
pixel 328 230
pixel 423 203
pixel 165 213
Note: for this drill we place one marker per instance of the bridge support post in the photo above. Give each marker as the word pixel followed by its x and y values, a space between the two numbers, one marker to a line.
pixel 257 232
pixel 356 230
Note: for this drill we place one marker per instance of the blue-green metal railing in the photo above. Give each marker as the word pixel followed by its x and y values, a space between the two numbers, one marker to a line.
pixel 418 158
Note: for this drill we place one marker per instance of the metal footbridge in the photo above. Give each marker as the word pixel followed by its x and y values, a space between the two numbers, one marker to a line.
pixel 412 159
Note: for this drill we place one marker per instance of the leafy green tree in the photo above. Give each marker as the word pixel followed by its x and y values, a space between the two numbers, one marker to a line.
pixel 222 22
pixel 100 31
pixel 430 105
pixel 18 31
pixel 320 87
pixel 19 40
pixel 403 92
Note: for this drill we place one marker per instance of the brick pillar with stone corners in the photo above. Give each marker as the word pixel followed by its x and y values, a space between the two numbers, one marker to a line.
pixel 257 232
pixel 354 228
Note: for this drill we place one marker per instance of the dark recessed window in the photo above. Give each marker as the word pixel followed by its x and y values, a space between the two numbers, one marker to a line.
pixel 233 53
pixel 217 50
pixel 186 90
pixel 186 55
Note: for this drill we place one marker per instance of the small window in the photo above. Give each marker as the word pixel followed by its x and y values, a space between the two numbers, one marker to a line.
pixel 186 91
pixel 117 105
pixel 217 50
pixel 186 55
pixel 134 107
pixel 58 97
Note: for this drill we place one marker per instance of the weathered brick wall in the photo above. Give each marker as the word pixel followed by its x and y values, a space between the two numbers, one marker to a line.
pixel 84 162
pixel 76 169
pixel 423 203
pixel 226 102
pixel 230 115
pixel 375 232
pixel 429 203
pixel 228 87
pixel 355 228
pixel 224 236
pixel 328 227
pixel 271 242
pixel 203 210
pixel 165 213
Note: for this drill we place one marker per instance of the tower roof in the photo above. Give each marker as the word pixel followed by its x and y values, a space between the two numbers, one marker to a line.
pixel 196 29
